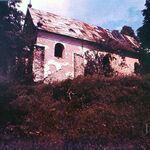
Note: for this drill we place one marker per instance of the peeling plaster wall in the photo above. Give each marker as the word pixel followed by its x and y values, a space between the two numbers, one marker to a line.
pixel 56 69
pixel 120 64
pixel 124 65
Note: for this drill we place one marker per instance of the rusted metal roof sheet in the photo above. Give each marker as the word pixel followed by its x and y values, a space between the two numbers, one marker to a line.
pixel 56 24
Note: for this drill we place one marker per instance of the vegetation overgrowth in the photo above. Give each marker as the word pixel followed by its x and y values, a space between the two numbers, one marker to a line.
pixel 100 110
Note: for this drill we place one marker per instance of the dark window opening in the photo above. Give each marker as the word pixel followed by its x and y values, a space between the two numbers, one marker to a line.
pixel 107 65
pixel 136 68
pixel 106 61
pixel 59 50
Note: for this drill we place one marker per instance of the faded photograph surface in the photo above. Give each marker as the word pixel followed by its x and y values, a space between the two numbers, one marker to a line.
pixel 74 75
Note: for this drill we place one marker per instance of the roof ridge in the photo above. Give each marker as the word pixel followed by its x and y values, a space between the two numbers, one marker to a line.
pixel 58 24
pixel 69 18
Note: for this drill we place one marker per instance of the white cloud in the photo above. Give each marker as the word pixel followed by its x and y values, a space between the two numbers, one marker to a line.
pixel 115 10
pixel 97 12
pixel 60 7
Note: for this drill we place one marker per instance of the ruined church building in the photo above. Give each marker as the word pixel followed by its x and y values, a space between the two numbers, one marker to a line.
pixel 66 48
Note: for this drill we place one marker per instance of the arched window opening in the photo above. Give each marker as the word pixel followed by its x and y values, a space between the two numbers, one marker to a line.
pixel 59 50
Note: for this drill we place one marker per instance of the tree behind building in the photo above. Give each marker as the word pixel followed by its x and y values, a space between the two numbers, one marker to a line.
pixel 144 36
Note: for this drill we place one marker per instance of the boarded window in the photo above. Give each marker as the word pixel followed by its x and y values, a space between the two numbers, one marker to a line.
pixel 78 65
pixel 59 48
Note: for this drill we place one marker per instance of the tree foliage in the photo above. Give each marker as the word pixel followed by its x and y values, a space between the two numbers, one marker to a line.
pixel 144 31
pixel 144 36
pixel 10 35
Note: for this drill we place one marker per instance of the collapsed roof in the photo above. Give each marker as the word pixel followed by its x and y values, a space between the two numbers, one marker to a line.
pixel 77 29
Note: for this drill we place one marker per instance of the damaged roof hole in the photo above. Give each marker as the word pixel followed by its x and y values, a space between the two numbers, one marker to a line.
pixel 39 24
pixel 71 30
pixel 83 31
pixel 49 20
pixel 94 35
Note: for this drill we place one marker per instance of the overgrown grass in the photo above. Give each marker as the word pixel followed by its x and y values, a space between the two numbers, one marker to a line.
pixel 90 108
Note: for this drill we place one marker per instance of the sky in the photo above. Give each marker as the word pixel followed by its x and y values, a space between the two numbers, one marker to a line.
pixel 109 14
